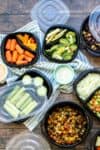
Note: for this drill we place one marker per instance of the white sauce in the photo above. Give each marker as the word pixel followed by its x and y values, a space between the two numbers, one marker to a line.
pixel 64 75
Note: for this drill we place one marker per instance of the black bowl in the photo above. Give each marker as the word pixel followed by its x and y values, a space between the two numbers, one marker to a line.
pixel 13 36
pixel 47 82
pixel 53 43
pixel 84 42
pixel 76 106
pixel 93 141
pixel 78 79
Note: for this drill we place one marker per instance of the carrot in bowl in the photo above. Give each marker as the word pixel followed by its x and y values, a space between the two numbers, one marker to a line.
pixel 8 56
pixel 29 54
pixel 22 62
pixel 13 45
pixel 19 49
pixel 14 56
pixel 8 44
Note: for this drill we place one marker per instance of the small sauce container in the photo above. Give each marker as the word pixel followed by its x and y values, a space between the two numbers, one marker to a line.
pixel 3 73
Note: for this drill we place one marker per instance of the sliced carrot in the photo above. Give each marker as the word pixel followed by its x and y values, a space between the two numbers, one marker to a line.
pixel 14 56
pixel 13 45
pixel 8 56
pixel 22 62
pixel 27 53
pixel 29 59
pixel 8 44
pixel 19 49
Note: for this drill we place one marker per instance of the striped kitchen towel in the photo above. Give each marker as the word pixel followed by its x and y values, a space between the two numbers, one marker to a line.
pixel 79 64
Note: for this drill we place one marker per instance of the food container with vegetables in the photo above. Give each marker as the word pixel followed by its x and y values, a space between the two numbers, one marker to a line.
pixel 20 49
pixel 87 90
pixel 39 80
pixel 95 142
pixel 66 124
pixel 60 44
pixel 88 40
pixel 19 101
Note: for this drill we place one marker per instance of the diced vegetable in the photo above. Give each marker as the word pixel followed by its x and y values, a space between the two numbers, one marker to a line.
pixel 27 79
pixel 38 81
pixel 42 91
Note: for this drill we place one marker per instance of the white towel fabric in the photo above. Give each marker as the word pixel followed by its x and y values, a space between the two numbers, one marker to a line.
pixel 79 64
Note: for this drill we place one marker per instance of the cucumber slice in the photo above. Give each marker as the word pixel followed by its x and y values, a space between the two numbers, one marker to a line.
pixel 42 91
pixel 38 81
pixel 28 101
pixel 29 108
pixel 18 95
pixel 27 79
pixel 11 109
pixel 16 89
pixel 22 100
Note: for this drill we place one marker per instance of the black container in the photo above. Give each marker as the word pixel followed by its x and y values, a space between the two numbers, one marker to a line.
pixel 47 82
pixel 83 41
pixel 93 141
pixel 76 106
pixel 13 36
pixel 53 43
pixel 78 79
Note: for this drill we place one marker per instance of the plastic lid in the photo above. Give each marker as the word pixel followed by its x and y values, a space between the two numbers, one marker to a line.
pixel 94 23
pixel 27 141
pixel 50 12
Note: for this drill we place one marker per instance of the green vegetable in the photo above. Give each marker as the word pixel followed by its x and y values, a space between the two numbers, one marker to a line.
pixel 25 104
pixel 42 91
pixel 71 37
pixel 22 100
pixel 29 108
pixel 27 79
pixel 56 56
pixel 11 109
pixel 18 95
pixel 38 81
pixel 73 47
pixel 16 89
pixel 64 42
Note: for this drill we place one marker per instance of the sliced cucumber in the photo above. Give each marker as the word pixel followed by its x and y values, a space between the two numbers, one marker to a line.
pixel 38 81
pixel 27 79
pixel 42 91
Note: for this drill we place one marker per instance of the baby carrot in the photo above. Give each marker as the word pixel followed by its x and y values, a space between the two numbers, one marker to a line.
pixel 8 56
pixel 13 45
pixel 14 56
pixel 19 49
pixel 21 62
pixel 29 59
pixel 8 44
pixel 21 57
pixel 29 54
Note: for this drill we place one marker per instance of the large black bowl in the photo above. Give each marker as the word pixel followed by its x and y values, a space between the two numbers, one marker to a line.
pixel 47 82
pixel 93 141
pixel 78 79
pixel 83 41
pixel 73 105
pixel 53 43
pixel 13 36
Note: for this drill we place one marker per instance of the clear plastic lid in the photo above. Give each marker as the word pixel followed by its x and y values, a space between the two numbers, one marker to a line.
pixel 30 91
pixel 28 141
pixel 94 23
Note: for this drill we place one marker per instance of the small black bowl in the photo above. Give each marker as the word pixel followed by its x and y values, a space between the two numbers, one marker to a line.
pixel 93 141
pixel 13 36
pixel 84 42
pixel 73 105
pixel 47 82
pixel 78 79
pixel 53 43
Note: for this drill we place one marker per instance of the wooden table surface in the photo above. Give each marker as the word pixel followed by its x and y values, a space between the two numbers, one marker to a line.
pixel 16 13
